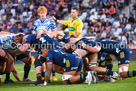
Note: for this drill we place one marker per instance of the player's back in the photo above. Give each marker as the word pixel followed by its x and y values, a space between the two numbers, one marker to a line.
pixel 111 46
pixel 57 56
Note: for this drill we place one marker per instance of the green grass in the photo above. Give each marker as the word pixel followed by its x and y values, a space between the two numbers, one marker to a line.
pixel 121 85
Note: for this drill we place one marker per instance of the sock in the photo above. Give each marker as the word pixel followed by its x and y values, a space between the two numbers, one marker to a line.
pixel 39 80
pixel 83 76
pixel 131 73
pixel 109 72
pixel 102 64
pixel 43 74
pixel 26 71
pixel 109 64
pixel 7 76
pixel 53 73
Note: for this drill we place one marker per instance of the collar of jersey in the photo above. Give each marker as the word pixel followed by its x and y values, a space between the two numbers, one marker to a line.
pixel 74 19
pixel 44 19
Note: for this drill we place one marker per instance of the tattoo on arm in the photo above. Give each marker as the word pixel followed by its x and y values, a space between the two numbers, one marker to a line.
pixel 48 71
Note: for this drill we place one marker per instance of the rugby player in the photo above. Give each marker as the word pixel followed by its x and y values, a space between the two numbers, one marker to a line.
pixel 10 48
pixel 43 25
pixel 121 52
pixel 89 49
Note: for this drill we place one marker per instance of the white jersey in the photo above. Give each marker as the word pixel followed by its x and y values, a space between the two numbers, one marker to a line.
pixel 6 38
pixel 48 24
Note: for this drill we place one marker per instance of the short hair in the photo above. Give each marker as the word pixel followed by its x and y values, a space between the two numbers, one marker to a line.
pixel 42 9
pixel 75 8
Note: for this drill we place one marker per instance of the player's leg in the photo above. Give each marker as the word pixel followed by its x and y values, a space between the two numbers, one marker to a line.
pixel 124 57
pixel 0 78
pixel 100 70
pixel 26 58
pixel 73 74
pixel 38 68
pixel 2 64
pixel 85 62
pixel 58 69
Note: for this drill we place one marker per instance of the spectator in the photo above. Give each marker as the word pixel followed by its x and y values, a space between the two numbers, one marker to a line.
pixel 116 23
pixel 93 17
pixel 111 19
pixel 124 20
pixel 112 11
pixel 131 19
pixel 125 38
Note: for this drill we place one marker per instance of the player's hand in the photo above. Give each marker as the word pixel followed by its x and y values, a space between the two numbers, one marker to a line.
pixel 98 47
pixel 53 18
pixel 2 53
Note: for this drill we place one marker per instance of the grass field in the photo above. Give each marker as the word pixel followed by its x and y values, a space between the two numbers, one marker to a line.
pixel 121 85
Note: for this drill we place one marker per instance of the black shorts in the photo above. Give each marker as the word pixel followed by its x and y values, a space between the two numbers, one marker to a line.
pixel 21 56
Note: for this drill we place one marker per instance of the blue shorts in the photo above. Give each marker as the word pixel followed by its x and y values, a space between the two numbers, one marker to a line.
pixel 124 56
pixel 21 56
pixel 73 63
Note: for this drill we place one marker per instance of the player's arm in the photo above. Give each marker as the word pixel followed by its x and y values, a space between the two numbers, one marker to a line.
pixel 94 49
pixel 14 72
pixel 40 32
pixel 49 66
pixel 48 72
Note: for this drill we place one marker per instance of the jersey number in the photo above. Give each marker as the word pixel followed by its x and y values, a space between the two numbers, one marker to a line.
pixel 42 39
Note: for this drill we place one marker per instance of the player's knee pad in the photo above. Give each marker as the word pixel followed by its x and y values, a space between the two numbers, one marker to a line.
pixel 92 64
pixel 39 61
pixel 123 68
pixel 66 77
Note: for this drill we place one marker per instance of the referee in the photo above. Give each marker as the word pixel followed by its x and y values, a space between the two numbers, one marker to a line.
pixel 75 24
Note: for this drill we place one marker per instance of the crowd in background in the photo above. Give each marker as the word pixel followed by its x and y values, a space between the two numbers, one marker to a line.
pixel 101 17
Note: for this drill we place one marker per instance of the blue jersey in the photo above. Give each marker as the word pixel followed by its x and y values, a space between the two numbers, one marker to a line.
pixel 112 47
pixel 122 51
pixel 86 41
pixel 70 62
pixel 44 42
pixel 47 24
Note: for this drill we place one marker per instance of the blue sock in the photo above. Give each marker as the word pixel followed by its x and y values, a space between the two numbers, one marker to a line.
pixel 43 74
pixel 109 72
pixel 131 73
pixel 53 73
pixel 83 76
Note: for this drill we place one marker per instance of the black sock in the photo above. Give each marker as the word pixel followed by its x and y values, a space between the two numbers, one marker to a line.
pixel 109 72
pixel 53 73
pixel 7 76
pixel 26 71
pixel 43 74
pixel 110 66
pixel 39 80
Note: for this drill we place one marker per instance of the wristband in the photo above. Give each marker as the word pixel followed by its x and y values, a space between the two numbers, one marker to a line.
pixel 98 48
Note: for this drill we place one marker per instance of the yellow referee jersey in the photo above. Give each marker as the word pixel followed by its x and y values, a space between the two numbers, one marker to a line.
pixel 75 26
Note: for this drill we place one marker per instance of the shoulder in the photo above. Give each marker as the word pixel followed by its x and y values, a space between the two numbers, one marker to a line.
pixel 49 19
pixel 37 21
